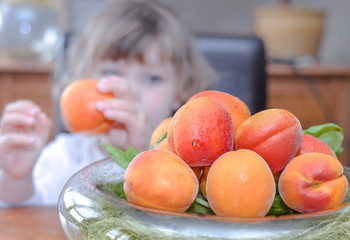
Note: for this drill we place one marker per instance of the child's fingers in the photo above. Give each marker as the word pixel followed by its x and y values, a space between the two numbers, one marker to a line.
pixel 17 140
pixel 117 85
pixel 43 126
pixel 122 111
pixel 119 105
pixel 127 118
pixel 23 106
pixel 16 120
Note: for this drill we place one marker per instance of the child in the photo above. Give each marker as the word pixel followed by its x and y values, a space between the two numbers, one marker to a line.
pixel 143 54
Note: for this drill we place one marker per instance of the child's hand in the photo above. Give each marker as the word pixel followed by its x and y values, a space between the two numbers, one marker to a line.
pixel 132 127
pixel 24 130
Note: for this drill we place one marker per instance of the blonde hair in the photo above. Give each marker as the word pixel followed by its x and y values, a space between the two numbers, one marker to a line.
pixel 125 29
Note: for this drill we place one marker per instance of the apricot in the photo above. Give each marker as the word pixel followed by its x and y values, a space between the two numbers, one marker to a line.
pixel 159 131
pixel 203 180
pixel 310 143
pixel 240 184
pixel 78 110
pixel 275 134
pixel 238 110
pixel 160 179
pixel 163 145
pixel 197 171
pixel 313 182
pixel 200 131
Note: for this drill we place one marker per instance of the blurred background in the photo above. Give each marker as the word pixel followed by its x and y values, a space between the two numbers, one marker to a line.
pixel 306 44
pixel 238 17
pixel 233 17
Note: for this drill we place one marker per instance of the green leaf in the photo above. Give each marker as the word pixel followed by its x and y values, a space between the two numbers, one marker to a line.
pixel 317 130
pixel 279 207
pixel 114 189
pixel 132 152
pixel 330 133
pixel 200 206
pixel 164 136
pixel 123 159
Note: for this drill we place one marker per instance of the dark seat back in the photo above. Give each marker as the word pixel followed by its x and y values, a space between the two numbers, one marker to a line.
pixel 240 62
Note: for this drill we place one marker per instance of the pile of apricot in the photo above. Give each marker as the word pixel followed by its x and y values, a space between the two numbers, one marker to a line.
pixel 235 158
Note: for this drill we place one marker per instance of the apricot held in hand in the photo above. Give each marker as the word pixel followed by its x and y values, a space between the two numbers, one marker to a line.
pixel 160 179
pixel 275 134
pixel 200 131
pixel 313 182
pixel 78 107
pixel 240 184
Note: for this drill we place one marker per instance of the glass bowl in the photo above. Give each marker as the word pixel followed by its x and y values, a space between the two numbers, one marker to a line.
pixel 88 212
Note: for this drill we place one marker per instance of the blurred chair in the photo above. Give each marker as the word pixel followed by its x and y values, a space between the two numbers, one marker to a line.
pixel 239 61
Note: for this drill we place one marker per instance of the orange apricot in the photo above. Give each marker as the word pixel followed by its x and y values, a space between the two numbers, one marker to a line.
pixel 78 110
pixel 197 171
pixel 200 131
pixel 163 145
pixel 238 110
pixel 275 134
pixel 160 179
pixel 240 184
pixel 160 130
pixel 203 180
pixel 313 182
pixel 310 143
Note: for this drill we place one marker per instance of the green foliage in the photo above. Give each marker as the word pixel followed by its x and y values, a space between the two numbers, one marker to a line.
pixel 123 159
pixel 279 207
pixel 114 189
pixel 200 206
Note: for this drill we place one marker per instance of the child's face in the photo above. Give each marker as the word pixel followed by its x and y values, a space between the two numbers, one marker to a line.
pixel 153 82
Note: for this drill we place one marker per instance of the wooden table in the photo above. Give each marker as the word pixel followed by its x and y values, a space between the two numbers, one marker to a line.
pixel 32 223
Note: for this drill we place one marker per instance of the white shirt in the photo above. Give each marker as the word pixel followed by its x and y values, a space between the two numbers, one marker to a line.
pixel 59 160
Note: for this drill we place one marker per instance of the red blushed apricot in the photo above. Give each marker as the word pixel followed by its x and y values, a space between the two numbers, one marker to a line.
pixel 240 184
pixel 310 144
pixel 200 131
pixel 313 182
pixel 160 179
pixel 275 134
pixel 238 110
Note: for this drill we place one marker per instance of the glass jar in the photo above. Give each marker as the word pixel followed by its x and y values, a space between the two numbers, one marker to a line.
pixel 29 30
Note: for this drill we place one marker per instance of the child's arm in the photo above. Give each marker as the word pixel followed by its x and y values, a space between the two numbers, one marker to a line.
pixel 24 130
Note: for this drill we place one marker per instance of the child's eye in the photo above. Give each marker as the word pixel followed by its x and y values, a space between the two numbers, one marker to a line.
pixel 153 79
pixel 107 73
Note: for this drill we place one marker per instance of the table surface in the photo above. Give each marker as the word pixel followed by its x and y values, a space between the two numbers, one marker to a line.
pixel 30 223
